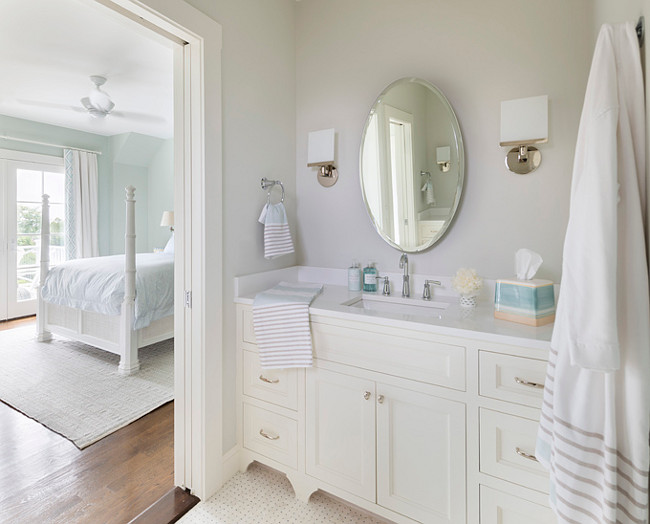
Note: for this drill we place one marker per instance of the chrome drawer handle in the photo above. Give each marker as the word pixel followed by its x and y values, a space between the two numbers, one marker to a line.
pixel 526 455
pixel 268 381
pixel 366 395
pixel 267 436
pixel 380 399
pixel 529 384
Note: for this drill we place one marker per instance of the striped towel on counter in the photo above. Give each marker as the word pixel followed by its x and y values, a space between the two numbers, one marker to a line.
pixel 281 322
pixel 277 238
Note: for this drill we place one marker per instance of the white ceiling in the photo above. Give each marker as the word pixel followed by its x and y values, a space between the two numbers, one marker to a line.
pixel 49 49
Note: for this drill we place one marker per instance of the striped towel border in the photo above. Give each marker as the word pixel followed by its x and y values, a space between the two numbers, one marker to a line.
pixel 281 323
pixel 277 237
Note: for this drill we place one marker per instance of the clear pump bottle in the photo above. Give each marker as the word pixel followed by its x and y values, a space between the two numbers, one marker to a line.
pixel 370 278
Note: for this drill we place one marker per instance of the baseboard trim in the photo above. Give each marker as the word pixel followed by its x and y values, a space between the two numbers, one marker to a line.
pixel 167 509
pixel 231 463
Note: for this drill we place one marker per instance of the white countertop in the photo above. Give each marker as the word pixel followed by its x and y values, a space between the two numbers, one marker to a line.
pixel 478 323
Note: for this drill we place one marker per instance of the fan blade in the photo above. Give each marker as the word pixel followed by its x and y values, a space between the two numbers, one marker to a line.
pixel 142 117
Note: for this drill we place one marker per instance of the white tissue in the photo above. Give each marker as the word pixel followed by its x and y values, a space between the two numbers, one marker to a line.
pixel 527 263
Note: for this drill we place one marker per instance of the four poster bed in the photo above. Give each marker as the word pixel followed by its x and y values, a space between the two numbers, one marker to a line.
pixel 102 302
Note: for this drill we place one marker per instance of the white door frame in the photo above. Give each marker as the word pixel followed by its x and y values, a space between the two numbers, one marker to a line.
pixel 199 236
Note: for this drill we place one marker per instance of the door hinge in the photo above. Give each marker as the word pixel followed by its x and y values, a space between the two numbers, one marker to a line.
pixel 188 299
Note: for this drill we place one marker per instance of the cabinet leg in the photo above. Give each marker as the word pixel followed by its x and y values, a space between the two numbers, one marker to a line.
pixel 244 462
pixel 303 487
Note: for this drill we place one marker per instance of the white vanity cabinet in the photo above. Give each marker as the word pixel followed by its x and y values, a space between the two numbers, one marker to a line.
pixel 403 449
pixel 405 423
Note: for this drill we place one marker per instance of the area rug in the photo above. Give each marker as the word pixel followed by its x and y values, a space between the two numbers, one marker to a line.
pixel 75 389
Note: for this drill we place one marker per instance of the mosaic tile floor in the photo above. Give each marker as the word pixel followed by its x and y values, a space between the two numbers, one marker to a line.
pixel 263 496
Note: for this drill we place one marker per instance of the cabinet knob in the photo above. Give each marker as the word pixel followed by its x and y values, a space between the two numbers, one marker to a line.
pixel 529 384
pixel 380 399
pixel 269 381
pixel 267 436
pixel 525 455
pixel 366 395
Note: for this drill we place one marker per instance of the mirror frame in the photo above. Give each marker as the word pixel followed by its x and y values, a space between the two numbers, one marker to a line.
pixel 458 137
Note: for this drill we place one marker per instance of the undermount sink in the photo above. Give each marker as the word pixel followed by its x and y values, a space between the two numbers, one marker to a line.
pixel 397 305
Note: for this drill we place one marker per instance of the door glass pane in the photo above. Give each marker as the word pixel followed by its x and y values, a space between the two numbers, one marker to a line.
pixel 28 219
pixel 57 216
pixel 54 186
pixel 27 250
pixel 27 280
pixel 28 185
pixel 57 250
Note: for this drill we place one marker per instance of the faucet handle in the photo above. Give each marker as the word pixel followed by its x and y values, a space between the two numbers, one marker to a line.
pixel 386 288
pixel 426 293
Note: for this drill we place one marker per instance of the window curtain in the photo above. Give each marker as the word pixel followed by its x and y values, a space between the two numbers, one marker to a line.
pixel 81 203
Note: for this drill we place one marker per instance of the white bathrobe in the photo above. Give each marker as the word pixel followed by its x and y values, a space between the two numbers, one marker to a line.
pixel 595 421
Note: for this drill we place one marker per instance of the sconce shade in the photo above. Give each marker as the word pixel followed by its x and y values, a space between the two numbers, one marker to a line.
pixel 320 147
pixel 524 121
pixel 167 219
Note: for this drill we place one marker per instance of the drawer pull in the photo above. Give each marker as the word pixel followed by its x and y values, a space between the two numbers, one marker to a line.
pixel 269 381
pixel 529 384
pixel 269 437
pixel 526 455
pixel 366 395
pixel 380 399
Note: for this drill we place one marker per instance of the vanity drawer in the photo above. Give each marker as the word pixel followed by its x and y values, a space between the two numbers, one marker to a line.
pixel 502 508
pixel 247 331
pixel 271 435
pixel 513 379
pixel 508 447
pixel 411 357
pixel 278 386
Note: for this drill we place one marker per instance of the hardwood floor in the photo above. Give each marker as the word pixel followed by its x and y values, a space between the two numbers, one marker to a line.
pixel 9 324
pixel 44 478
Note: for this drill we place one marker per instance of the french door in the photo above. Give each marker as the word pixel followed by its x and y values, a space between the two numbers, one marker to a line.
pixel 25 178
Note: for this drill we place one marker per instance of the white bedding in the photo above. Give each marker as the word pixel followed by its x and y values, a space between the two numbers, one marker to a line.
pixel 97 284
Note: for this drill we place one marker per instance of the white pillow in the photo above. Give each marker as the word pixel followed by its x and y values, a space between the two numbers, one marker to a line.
pixel 169 248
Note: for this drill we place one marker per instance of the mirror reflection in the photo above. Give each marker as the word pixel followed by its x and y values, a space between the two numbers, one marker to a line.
pixel 412 164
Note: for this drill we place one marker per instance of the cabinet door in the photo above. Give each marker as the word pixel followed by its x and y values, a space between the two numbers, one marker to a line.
pixel 420 455
pixel 340 439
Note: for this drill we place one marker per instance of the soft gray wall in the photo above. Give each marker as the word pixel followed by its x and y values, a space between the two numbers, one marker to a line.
pixel 161 192
pixel 478 53
pixel 259 116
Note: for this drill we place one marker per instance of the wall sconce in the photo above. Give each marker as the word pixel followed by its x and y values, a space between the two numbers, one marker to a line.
pixel 443 158
pixel 320 153
pixel 167 220
pixel 524 122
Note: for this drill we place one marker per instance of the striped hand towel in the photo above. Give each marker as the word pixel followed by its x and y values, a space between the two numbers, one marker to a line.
pixel 281 322
pixel 277 238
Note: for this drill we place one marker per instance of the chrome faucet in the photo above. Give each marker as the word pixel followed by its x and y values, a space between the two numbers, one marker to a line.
pixel 406 286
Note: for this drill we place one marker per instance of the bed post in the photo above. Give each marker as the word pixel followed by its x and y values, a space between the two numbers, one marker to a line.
pixel 129 362
pixel 41 317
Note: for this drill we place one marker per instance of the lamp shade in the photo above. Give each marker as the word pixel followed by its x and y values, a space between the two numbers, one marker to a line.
pixel 320 147
pixel 167 219
pixel 524 120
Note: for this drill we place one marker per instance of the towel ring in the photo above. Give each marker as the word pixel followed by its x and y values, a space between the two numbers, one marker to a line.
pixel 269 184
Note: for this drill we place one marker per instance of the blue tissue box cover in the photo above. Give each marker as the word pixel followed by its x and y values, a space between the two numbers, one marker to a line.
pixel 528 298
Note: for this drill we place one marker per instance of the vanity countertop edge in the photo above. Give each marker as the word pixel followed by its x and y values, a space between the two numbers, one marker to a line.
pixel 477 324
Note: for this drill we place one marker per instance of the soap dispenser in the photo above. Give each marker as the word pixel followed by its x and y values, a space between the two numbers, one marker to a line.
pixel 354 276
pixel 370 278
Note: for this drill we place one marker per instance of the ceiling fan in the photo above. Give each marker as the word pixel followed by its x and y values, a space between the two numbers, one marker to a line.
pixel 98 103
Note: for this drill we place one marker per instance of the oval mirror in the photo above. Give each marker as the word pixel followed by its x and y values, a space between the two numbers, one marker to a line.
pixel 411 164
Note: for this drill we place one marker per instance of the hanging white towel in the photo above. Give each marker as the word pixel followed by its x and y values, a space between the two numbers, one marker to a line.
pixel 595 423
pixel 427 188
pixel 277 237
pixel 281 323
